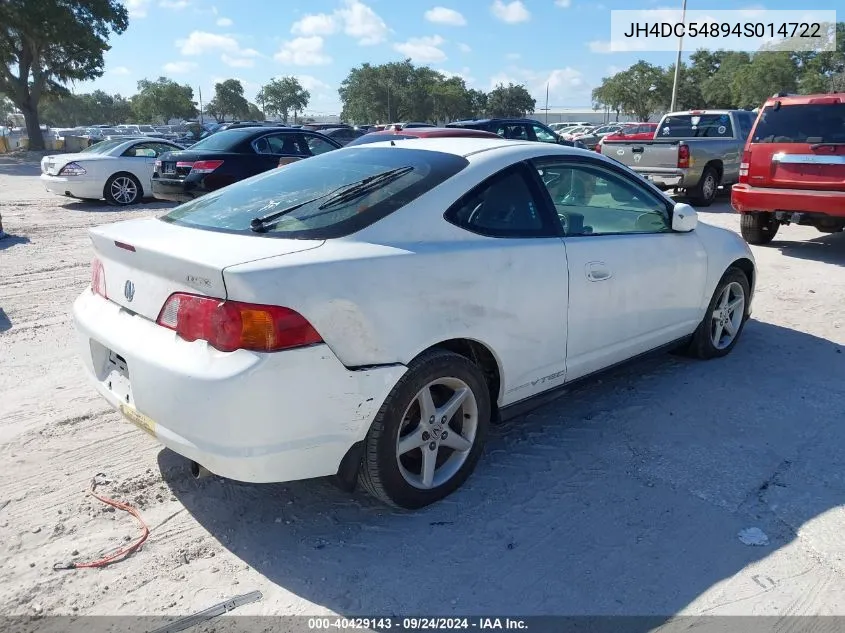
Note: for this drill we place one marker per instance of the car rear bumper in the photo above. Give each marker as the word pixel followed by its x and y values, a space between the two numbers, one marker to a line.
pixel 243 415
pixel 664 178
pixel 177 190
pixel 748 199
pixel 73 186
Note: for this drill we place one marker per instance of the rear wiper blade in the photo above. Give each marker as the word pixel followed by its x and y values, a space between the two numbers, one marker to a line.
pixel 365 186
pixel 831 144
pixel 263 223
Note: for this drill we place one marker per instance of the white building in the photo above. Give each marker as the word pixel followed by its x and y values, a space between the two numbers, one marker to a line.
pixel 588 115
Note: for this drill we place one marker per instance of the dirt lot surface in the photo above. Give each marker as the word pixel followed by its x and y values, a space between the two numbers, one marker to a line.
pixel 627 496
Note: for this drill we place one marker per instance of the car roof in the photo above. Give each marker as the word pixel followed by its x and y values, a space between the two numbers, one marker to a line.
pixel 830 99
pixel 465 146
pixel 496 120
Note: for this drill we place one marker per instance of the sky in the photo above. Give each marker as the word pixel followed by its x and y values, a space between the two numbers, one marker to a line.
pixel 562 44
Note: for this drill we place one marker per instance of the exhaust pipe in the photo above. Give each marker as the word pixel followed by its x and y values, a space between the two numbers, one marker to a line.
pixel 198 471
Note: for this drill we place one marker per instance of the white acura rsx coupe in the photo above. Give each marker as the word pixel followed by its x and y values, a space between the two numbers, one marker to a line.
pixel 369 312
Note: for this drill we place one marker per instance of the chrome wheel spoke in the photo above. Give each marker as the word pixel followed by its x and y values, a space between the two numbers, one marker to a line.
pixel 427 409
pixel 446 412
pixel 456 441
pixel 729 327
pixel 429 463
pixel 717 334
pixel 410 442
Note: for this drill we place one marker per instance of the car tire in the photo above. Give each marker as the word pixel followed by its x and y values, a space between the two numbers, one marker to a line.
pixel 122 190
pixel 705 191
pixel 720 317
pixel 395 472
pixel 758 228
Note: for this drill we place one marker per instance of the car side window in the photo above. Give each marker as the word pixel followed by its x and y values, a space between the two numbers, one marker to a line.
pixel 512 131
pixel 544 135
pixel 318 146
pixel 502 206
pixel 282 145
pixel 141 150
pixel 593 200
pixel 746 122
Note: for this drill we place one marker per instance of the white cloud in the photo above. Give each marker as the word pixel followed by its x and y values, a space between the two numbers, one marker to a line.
pixel 422 49
pixel 566 85
pixel 175 5
pixel 311 83
pixel 442 15
pixel 224 22
pixel 137 8
pixel 315 24
pixel 179 68
pixel 200 42
pixel 245 59
pixel 464 48
pixel 463 74
pixel 513 56
pixel 303 51
pixel 354 18
pixel 512 13
pixel 563 4
pixel 119 70
pixel 629 46
pixel 362 23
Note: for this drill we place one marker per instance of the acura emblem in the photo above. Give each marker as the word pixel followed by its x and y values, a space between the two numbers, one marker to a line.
pixel 128 290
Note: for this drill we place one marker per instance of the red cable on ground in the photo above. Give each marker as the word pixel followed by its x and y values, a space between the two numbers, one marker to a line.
pixel 119 554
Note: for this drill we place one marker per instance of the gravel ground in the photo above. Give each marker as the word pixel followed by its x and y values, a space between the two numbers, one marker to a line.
pixel 628 496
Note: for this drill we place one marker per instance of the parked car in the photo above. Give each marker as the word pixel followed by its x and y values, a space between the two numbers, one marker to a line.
pixel 693 152
pixel 557 127
pixel 408 125
pixel 317 127
pixel 232 155
pixel 367 313
pixel 592 138
pixel 516 129
pixel 420 132
pixel 343 135
pixel 570 133
pixel 118 170
pixel 793 167
pixel 632 132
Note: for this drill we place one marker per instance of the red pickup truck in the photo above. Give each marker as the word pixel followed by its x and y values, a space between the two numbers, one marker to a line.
pixel 793 167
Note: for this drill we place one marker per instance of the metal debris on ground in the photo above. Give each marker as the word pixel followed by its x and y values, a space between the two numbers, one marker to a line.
pixel 212 612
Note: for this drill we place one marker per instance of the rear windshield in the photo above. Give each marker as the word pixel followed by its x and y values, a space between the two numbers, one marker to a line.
pixel 232 208
pixel 103 147
pixel 810 123
pixel 224 140
pixel 696 126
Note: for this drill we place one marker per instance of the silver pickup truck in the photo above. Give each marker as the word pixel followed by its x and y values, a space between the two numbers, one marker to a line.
pixel 692 152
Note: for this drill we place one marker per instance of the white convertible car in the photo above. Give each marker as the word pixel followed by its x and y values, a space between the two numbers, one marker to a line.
pixel 118 170
pixel 369 312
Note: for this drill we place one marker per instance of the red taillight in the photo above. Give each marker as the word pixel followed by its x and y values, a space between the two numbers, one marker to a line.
pixel 231 325
pixel 205 166
pixel 185 163
pixel 683 156
pixel 98 278
pixel 743 166
pixel 598 148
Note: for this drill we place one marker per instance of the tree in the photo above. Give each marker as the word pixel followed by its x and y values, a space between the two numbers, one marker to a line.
pixel 510 101
pixel 282 96
pixel 6 108
pixel 228 100
pixel 477 103
pixel 47 43
pixel 162 100
pixel 84 109
pixel 610 95
pixel 451 100
pixel 254 114
pixel 639 86
pixel 717 88
pixel 767 74
pixel 688 95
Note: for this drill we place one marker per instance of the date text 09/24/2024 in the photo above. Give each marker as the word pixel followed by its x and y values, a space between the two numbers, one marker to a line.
pixel 416 624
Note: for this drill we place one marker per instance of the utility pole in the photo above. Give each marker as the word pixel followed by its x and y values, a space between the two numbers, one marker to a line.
pixel 678 60
pixel 200 91
pixel 547 103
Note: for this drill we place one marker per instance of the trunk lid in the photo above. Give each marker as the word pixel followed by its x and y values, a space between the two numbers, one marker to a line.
pixel 52 165
pixel 788 146
pixel 644 155
pixel 146 260
pixel 176 165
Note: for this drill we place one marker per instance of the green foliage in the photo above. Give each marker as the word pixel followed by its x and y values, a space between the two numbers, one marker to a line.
pixel 510 101
pixel 162 100
pixel 282 96
pixel 401 91
pixel 253 113
pixel 228 100
pixel 85 109
pixel 724 79
pixel 45 44
pixel 6 108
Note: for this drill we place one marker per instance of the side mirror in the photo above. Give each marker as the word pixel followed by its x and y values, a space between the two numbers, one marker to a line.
pixel 684 218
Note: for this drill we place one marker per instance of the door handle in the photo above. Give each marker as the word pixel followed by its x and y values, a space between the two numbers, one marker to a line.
pixel 598 271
